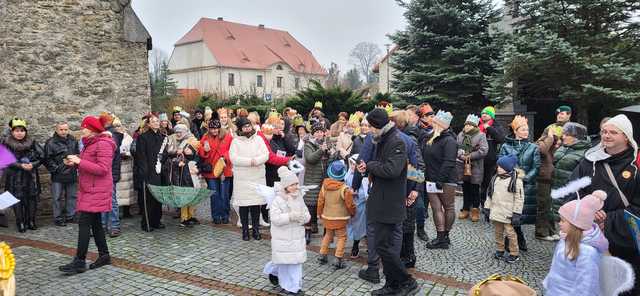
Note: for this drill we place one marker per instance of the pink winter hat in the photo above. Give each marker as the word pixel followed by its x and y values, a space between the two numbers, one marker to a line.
pixel 582 212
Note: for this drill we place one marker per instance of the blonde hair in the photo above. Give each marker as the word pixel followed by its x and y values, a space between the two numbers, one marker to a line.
pixel 572 242
pixel 400 117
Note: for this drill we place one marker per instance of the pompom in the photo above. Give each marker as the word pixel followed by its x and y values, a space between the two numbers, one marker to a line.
pixel 599 194
pixel 282 171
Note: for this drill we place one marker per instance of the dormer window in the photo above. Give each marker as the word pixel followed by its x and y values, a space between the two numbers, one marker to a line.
pixel 279 67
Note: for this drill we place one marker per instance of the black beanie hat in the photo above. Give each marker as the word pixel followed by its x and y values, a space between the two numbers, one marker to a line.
pixel 214 122
pixel 378 118
pixel 242 121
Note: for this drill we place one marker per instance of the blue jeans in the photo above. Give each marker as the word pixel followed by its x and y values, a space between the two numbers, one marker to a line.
pixel 114 214
pixel 64 207
pixel 220 198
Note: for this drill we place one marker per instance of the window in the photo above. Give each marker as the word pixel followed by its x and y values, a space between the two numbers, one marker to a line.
pixel 231 80
pixel 297 83
pixel 279 67
pixel 259 81
pixel 279 82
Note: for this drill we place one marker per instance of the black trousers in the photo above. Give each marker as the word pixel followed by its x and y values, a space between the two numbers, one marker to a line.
pixel 25 210
pixel 489 171
pixel 255 217
pixel 393 268
pixel 150 209
pixel 313 211
pixel 91 221
pixel 470 196
pixel 265 213
pixel 408 252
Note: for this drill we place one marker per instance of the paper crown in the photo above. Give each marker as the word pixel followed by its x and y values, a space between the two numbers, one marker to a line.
pixel 387 107
pixel 518 122
pixel 267 129
pixel 16 122
pixel 443 118
pixel 473 119
pixel 318 105
pixel 298 121
pixel 177 109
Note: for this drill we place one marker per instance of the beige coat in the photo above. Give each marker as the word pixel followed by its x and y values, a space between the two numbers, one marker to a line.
pixel 245 177
pixel 344 144
pixel 504 203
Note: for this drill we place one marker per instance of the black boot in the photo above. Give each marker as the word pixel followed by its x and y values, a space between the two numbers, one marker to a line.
pixel 32 225
pixel 439 242
pixel 323 259
pixel 76 266
pixel 339 264
pixel 102 260
pixel 274 280
pixel 256 233
pixel 522 242
pixel 446 237
pixel 422 235
pixel 21 227
pixel 409 262
pixel 370 275
pixel 245 233
pixel 307 235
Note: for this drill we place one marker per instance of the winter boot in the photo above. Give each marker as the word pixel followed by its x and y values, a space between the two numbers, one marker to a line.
pixel 370 275
pixel 446 237
pixel 274 280
pixel 307 235
pixel 422 235
pixel 76 266
pixel 439 242
pixel 32 224
pixel 475 215
pixel 339 264
pixel 323 259
pixel 256 233
pixel 464 214
pixel 102 260
pixel 245 233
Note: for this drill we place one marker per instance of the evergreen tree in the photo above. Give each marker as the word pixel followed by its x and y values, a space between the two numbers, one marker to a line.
pixel 334 100
pixel 584 53
pixel 445 53
pixel 352 79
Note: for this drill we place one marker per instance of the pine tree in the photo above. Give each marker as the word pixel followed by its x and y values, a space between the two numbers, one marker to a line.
pixel 445 53
pixel 580 52
pixel 352 79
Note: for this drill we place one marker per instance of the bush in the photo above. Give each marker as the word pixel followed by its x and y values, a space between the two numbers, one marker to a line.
pixel 334 100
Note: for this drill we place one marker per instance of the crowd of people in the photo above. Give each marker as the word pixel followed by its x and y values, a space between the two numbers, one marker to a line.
pixel 366 176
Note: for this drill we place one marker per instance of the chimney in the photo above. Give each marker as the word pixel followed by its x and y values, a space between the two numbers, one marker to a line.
pixel 260 26
pixel 220 18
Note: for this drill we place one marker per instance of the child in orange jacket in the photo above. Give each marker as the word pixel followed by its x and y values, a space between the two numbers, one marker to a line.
pixel 335 208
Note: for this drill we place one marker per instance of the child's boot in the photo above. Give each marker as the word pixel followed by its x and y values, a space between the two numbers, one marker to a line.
pixel 323 259
pixel 339 264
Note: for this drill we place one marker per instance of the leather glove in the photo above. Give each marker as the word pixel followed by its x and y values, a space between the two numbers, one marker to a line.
pixel 516 220
pixel 487 213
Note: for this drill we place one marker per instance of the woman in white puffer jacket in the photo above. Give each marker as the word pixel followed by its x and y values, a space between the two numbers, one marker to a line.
pixel 288 214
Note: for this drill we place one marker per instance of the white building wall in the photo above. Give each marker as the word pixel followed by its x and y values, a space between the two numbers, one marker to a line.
pixel 385 74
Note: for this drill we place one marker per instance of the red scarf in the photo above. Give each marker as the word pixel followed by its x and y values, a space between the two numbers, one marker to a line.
pixel 481 125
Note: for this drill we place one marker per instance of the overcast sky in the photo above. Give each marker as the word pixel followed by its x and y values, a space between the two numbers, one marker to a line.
pixel 329 28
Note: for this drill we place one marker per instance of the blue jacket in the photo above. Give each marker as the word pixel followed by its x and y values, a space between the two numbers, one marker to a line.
pixel 366 154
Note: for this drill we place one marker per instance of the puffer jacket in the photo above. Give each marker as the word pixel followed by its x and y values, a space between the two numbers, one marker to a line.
pixel 440 158
pixel 277 157
pixel 315 170
pixel 288 244
pixel 503 203
pixel 529 161
pixel 19 182
pixel 219 148
pixel 55 150
pixel 565 160
pixel 479 150
pixel 245 176
pixel 95 183
pixel 329 209
pixel 580 276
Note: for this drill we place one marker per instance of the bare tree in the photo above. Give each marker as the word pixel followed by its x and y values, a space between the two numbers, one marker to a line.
pixel 364 56
pixel 156 59
pixel 333 79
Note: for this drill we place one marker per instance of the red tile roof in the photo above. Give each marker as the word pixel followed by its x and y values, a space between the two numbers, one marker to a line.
pixel 252 47
pixel 188 93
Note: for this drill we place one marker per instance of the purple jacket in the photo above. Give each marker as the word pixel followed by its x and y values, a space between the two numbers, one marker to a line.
pixel 95 179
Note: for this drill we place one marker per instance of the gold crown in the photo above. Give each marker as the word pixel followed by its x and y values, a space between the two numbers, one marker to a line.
pixel 518 122
pixel 16 122
pixel 7 262
pixel 388 108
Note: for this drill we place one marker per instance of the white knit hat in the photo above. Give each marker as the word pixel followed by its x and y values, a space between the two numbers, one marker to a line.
pixel 287 177
pixel 624 124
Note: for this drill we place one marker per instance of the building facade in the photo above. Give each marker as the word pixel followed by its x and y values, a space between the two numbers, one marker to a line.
pixel 385 72
pixel 229 59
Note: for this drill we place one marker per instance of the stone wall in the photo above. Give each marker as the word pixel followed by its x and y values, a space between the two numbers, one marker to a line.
pixel 61 60
pixel 64 59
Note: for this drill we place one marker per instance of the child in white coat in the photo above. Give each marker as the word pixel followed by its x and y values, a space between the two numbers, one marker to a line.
pixel 288 214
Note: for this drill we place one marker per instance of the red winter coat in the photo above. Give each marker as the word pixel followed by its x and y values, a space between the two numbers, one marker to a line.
pixel 274 158
pixel 219 148
pixel 95 182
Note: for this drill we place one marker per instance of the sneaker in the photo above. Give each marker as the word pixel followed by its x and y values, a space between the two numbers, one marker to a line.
pixel 102 260
pixel 499 255
pixel 409 288
pixel 184 224
pixel 114 233
pixel 194 221
pixel 369 275
pixel 323 259
pixel 511 259
pixel 274 280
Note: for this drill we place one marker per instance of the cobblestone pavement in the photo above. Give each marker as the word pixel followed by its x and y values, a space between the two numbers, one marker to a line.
pixel 207 260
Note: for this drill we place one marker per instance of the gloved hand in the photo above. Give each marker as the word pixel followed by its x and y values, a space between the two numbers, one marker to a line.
pixel 487 213
pixel 295 216
pixel 516 220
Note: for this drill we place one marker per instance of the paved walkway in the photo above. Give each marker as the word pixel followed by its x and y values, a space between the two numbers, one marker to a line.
pixel 213 260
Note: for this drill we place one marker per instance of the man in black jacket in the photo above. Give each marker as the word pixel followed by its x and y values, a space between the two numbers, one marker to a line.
pixel 386 204
pixel 148 145
pixel 64 178
pixel 617 150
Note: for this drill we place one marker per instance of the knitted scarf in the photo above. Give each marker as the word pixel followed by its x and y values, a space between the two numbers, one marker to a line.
pixel 467 146
pixel 481 125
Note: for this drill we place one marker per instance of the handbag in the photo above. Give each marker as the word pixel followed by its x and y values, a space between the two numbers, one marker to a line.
pixel 497 285
pixel 218 168
pixel 467 166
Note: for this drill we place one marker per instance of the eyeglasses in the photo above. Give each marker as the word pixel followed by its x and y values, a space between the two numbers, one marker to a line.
pixel 612 133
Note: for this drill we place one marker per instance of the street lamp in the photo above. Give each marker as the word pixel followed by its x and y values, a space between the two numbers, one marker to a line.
pixel 388 65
